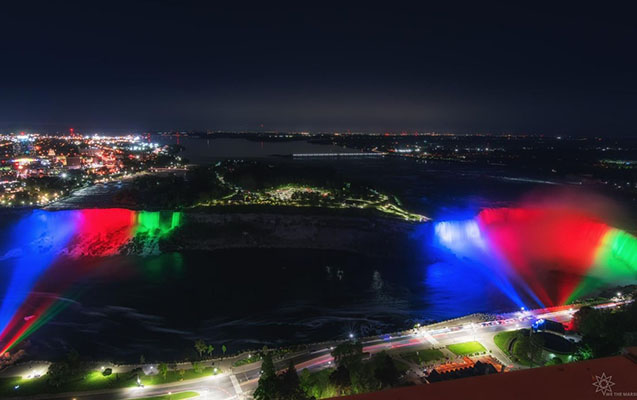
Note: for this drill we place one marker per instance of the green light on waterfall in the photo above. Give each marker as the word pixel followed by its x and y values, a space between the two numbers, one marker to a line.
pixel 615 261
pixel 617 253
pixel 156 223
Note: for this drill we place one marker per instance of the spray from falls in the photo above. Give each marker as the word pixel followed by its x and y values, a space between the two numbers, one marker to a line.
pixel 49 251
pixel 551 254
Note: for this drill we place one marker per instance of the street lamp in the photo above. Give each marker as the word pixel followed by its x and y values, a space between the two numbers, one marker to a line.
pixel 351 335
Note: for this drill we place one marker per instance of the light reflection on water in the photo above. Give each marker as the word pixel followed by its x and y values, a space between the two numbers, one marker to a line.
pixel 157 305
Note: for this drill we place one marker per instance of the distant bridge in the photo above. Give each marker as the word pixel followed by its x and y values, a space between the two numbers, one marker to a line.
pixel 295 155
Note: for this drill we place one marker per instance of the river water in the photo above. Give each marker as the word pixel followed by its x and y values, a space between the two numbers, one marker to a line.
pixel 126 306
pixel 157 305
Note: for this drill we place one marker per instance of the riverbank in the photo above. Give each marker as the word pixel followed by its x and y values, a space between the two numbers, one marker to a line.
pixel 444 335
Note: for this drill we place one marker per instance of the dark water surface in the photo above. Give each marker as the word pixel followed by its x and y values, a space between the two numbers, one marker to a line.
pixel 158 305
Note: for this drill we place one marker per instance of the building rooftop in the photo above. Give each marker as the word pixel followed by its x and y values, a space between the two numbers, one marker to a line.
pixel 579 380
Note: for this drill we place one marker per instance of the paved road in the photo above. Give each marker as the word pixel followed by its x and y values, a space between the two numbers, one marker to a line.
pixel 240 383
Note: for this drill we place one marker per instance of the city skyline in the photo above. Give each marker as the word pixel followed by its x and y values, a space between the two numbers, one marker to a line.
pixel 317 201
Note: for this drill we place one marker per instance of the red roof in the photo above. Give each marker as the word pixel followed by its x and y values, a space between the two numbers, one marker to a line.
pixel 567 381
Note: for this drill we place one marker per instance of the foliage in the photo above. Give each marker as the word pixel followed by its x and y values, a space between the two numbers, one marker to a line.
pixel 267 388
pixel 348 354
pixel 522 348
pixel 240 183
pixel 290 385
pixel 554 361
pixel 197 367
pixel 81 379
pixel 605 331
pixel 385 370
pixel 582 353
pixel 341 379
pixel 58 373
pixel 536 348
pixel 248 360
pixel 163 370
pixel 503 340
pixel 287 386
pixel 62 372
pixel 519 344
pixel 200 346
pixel 317 384
pixel 364 379
pixel 352 374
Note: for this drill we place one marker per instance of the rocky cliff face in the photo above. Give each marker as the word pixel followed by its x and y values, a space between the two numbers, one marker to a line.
pixel 45 235
pixel 208 231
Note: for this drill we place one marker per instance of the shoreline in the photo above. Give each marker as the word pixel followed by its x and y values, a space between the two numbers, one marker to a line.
pixel 303 356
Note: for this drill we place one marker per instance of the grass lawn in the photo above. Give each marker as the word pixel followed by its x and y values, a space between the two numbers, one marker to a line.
pixel 174 396
pixel 93 380
pixel 174 376
pixel 466 348
pixel 81 382
pixel 422 356
pixel 503 339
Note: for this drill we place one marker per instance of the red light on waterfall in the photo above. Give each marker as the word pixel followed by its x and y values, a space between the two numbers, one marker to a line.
pixel 549 248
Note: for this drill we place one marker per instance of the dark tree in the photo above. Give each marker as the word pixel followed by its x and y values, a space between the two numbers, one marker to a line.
pixel 290 385
pixel 267 388
pixel 348 354
pixel 588 321
pixel 385 370
pixel 58 373
pixel 341 379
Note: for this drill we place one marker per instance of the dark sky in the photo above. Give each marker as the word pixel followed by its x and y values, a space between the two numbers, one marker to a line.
pixel 142 65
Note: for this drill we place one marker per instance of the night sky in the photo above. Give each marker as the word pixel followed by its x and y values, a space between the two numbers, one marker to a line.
pixel 140 66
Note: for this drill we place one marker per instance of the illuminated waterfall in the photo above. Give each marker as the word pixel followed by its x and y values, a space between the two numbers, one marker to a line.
pixel 553 254
pixel 40 244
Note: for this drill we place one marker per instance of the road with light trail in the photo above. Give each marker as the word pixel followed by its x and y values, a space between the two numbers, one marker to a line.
pixel 241 382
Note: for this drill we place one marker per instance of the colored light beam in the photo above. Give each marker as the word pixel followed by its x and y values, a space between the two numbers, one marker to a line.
pixel 49 309
pixel 554 254
pixel 49 251
pixel 537 242
pixel 36 241
pixel 466 240
pixel 615 261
